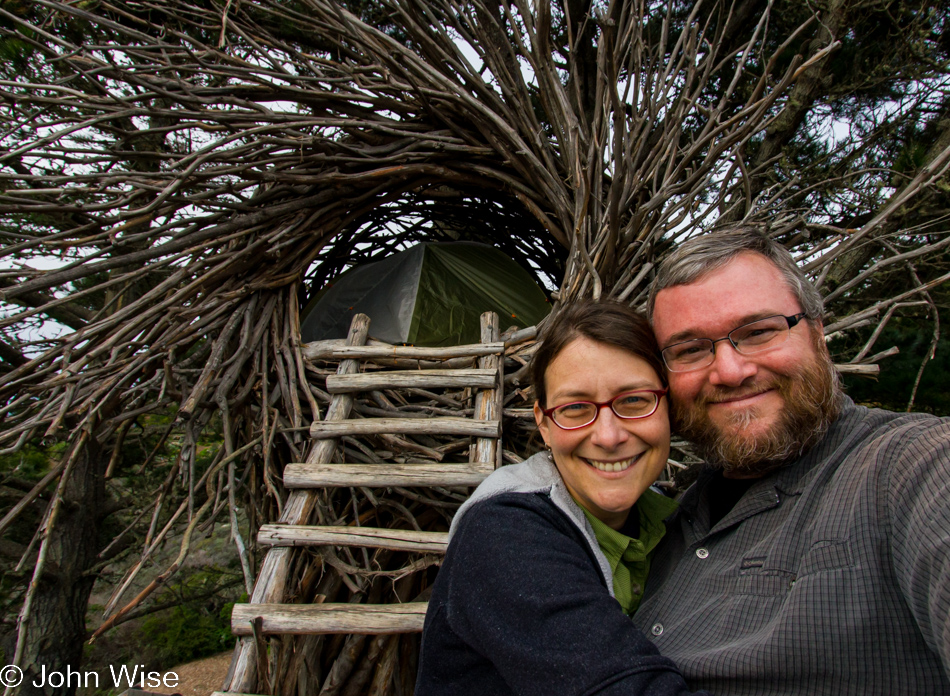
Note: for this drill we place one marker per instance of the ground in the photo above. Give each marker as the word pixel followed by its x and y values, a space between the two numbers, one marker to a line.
pixel 201 677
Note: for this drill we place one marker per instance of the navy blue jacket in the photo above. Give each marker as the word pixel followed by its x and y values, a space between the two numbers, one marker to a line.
pixel 521 606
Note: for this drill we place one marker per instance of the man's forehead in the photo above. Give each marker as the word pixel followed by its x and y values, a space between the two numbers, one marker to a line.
pixel 744 289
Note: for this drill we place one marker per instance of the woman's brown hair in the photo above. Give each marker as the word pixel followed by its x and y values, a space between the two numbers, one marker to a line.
pixel 608 322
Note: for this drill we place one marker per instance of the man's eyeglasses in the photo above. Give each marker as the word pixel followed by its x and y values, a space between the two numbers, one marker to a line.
pixel 748 339
pixel 629 405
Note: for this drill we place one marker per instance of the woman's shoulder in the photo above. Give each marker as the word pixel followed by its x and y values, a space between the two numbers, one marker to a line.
pixel 512 509
pixel 517 530
pixel 537 474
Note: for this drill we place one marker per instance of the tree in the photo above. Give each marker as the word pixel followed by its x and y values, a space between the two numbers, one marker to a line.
pixel 174 171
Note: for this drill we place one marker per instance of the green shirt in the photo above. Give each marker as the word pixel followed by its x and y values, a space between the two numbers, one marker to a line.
pixel 630 558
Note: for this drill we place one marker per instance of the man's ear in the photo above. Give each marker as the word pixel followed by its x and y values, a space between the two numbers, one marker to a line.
pixel 541 421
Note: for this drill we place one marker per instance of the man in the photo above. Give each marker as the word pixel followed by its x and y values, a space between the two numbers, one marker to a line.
pixel 813 555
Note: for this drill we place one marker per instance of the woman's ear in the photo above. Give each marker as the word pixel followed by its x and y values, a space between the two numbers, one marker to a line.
pixel 541 421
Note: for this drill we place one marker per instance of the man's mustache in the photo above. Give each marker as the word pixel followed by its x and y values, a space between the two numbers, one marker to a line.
pixel 715 394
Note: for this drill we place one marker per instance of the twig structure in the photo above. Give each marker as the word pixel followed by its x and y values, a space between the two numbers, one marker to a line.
pixel 178 177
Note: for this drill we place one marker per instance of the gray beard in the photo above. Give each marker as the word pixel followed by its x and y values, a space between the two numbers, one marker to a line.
pixel 812 402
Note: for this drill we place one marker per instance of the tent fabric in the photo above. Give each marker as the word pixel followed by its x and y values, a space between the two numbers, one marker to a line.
pixel 428 295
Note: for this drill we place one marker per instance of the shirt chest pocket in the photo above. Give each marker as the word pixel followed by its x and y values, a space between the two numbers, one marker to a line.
pixel 760 576
pixel 827 555
pixel 769 576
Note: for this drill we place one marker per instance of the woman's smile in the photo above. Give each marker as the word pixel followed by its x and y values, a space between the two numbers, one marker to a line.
pixel 614 466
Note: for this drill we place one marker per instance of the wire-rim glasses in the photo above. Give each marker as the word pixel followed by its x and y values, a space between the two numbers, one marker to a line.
pixel 631 405
pixel 748 339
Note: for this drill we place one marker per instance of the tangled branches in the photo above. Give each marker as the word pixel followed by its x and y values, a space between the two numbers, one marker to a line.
pixel 175 174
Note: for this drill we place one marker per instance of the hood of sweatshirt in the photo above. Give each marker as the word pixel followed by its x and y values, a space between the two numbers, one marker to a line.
pixel 537 474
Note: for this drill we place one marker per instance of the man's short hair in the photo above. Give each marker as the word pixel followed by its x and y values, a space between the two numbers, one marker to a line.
pixel 698 256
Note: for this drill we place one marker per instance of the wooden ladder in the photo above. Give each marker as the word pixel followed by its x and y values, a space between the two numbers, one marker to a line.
pixel 265 613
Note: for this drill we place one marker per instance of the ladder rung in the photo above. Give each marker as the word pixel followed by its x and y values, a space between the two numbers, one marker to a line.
pixel 371 537
pixel 311 619
pixel 423 379
pixel 382 475
pixel 416 352
pixel 406 426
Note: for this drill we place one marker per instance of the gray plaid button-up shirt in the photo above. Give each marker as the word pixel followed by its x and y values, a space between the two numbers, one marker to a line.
pixel 829 576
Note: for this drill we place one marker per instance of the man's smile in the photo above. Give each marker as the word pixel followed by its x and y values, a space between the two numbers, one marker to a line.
pixel 742 399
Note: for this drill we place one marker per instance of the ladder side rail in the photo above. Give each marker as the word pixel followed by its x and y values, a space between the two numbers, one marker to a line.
pixel 487 401
pixel 272 577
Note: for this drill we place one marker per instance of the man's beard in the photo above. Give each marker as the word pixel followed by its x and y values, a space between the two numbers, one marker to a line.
pixel 812 399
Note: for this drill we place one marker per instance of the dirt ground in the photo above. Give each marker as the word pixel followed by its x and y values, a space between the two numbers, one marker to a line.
pixel 201 677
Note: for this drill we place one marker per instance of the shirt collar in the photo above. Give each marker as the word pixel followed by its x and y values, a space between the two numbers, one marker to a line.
pixel 653 508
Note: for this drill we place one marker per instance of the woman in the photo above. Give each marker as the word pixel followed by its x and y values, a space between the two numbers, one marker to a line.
pixel 541 566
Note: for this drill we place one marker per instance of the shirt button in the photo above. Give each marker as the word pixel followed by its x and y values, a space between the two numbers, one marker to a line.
pixel 702 553
pixel 635 588
pixel 657 629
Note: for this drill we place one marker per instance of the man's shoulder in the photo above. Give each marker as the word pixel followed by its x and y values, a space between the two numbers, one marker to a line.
pixel 882 427
pixel 881 415
pixel 886 446
pixel 860 426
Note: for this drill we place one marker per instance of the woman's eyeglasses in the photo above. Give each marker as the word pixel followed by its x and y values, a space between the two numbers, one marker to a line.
pixel 629 405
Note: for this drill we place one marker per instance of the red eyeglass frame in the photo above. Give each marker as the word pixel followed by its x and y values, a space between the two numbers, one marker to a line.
pixel 660 393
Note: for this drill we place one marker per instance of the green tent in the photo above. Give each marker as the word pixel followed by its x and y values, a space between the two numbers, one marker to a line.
pixel 428 295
